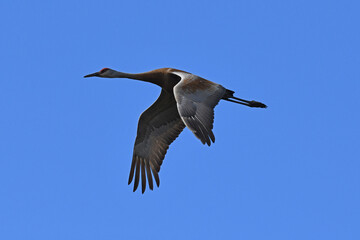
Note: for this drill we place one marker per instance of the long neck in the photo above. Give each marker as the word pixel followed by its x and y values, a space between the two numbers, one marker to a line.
pixel 152 77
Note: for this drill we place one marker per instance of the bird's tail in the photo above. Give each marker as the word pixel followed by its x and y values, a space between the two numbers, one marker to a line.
pixel 229 96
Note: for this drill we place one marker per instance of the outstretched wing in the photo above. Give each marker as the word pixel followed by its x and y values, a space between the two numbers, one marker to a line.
pixel 196 98
pixel 158 127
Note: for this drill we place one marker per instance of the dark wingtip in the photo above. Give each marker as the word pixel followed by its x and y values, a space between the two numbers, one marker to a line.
pixel 157 180
pixel 155 174
pixel 143 188
pixel 130 180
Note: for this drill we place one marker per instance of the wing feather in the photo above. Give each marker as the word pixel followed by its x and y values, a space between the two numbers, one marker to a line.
pixel 158 127
pixel 196 99
pixel 137 173
pixel 149 176
pixel 143 178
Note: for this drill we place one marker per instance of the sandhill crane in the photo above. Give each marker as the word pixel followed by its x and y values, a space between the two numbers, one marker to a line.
pixel 185 100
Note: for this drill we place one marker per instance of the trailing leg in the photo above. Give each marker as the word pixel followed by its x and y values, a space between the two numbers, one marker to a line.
pixel 229 96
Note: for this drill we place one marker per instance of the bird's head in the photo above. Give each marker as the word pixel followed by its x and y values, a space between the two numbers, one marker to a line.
pixel 105 73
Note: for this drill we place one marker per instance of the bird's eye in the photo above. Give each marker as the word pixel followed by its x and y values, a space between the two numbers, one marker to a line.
pixel 103 70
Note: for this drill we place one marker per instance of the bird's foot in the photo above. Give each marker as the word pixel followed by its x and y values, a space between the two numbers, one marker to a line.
pixel 256 104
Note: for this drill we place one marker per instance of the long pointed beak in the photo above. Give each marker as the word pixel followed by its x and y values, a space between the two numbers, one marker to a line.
pixel 92 75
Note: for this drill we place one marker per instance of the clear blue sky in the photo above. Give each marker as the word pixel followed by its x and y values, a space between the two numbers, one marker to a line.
pixel 291 171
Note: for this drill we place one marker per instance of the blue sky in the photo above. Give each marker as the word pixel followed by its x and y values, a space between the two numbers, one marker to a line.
pixel 291 171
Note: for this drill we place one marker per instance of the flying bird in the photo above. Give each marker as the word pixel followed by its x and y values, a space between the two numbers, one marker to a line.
pixel 185 100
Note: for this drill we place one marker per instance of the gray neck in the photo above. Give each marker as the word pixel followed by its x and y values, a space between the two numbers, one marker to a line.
pixel 152 77
pixel 117 74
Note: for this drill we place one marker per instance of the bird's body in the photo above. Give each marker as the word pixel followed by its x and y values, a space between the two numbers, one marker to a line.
pixel 185 100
